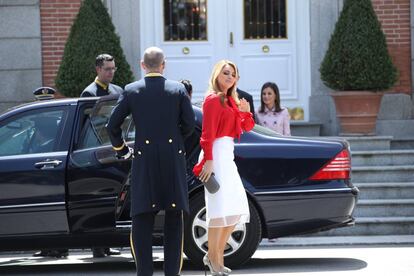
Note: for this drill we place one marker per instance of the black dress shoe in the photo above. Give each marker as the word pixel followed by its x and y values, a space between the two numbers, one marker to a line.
pixel 98 252
pixel 110 251
pixel 41 253
pixel 58 253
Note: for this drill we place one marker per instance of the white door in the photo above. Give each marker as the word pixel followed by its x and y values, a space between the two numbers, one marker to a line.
pixel 267 39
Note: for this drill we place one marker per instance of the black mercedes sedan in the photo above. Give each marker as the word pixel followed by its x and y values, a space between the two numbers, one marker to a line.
pixel 62 187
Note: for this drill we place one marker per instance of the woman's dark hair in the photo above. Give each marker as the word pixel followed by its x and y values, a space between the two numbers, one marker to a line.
pixel 188 87
pixel 275 89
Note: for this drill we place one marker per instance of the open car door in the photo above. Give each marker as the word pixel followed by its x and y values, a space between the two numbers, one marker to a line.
pixel 95 176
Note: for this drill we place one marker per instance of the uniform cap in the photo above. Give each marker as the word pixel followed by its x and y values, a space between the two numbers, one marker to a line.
pixel 44 93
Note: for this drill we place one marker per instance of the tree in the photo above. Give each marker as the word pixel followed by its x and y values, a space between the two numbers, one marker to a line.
pixel 92 33
pixel 357 57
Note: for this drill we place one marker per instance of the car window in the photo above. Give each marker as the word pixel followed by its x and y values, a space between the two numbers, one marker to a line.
pixel 94 133
pixel 130 134
pixel 31 133
pixel 265 131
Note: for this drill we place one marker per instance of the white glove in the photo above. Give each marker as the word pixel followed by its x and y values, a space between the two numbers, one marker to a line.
pixel 128 155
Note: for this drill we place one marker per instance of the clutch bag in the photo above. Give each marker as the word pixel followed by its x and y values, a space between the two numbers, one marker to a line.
pixel 212 185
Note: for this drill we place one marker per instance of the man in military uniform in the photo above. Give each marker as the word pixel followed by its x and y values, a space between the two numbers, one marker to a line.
pixel 105 71
pixel 102 86
pixel 163 117
pixel 41 144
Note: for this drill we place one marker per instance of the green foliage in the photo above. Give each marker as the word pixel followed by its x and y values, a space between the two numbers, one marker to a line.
pixel 357 58
pixel 92 33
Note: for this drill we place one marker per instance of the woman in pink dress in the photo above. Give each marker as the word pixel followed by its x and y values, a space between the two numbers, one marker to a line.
pixel 271 114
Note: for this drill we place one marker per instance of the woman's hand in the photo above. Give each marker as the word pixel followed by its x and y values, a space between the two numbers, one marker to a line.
pixel 206 171
pixel 244 105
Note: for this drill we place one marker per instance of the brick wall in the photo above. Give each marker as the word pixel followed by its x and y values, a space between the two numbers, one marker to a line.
pixel 56 19
pixel 394 16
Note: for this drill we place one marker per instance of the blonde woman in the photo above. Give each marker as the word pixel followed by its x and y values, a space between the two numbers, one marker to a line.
pixel 225 117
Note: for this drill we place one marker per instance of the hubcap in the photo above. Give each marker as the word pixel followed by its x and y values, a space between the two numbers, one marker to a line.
pixel 199 233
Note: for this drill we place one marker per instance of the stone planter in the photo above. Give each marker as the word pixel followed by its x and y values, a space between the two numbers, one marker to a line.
pixel 357 111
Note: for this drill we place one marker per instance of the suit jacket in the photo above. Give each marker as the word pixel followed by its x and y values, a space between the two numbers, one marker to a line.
pixel 163 117
pixel 94 89
pixel 249 98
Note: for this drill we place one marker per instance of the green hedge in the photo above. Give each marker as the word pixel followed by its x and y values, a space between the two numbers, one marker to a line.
pixel 92 33
pixel 357 58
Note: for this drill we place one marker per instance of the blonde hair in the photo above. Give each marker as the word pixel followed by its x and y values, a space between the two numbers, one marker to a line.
pixel 213 86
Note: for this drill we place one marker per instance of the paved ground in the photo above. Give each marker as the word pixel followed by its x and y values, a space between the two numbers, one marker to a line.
pixel 378 261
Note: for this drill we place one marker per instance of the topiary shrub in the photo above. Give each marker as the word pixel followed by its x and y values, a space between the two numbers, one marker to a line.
pixel 92 33
pixel 357 57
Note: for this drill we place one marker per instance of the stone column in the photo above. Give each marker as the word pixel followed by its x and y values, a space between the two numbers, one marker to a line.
pixel 412 48
pixel 125 17
pixel 324 14
pixel 20 48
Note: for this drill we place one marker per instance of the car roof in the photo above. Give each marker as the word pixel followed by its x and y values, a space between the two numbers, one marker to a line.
pixel 45 103
pixel 68 101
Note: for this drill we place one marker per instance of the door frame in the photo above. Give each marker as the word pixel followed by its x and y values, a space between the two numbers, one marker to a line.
pixel 301 62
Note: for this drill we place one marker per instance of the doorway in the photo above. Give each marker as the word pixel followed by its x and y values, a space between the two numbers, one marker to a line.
pixel 269 40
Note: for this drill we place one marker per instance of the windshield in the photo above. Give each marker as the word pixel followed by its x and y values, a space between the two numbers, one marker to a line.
pixel 265 131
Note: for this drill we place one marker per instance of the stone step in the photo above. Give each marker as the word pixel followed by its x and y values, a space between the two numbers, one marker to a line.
pixel 305 129
pixel 383 158
pixel 384 208
pixel 403 143
pixel 391 190
pixel 397 128
pixel 365 240
pixel 365 174
pixel 359 143
pixel 375 226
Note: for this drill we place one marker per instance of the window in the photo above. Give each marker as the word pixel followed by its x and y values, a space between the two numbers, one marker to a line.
pixel 94 133
pixel 185 20
pixel 32 133
pixel 264 19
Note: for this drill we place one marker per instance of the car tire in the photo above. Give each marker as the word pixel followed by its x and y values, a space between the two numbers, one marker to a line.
pixel 195 252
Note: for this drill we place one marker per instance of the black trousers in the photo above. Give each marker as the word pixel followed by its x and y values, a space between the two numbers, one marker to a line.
pixel 141 242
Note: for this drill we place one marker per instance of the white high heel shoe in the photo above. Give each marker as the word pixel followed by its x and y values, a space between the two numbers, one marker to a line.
pixel 207 262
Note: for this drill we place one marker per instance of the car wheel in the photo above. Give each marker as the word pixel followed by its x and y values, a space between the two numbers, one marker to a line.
pixel 242 243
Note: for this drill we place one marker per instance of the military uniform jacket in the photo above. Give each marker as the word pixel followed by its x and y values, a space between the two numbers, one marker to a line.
pixel 95 90
pixel 163 117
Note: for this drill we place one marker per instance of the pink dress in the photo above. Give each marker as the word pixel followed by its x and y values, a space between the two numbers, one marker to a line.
pixel 277 121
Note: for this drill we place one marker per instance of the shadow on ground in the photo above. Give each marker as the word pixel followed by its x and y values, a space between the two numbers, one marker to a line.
pixel 279 265
pixel 119 265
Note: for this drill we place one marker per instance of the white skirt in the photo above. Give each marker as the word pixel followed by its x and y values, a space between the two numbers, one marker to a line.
pixel 229 205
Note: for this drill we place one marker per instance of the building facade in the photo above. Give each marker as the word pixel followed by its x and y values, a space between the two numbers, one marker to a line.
pixel 271 40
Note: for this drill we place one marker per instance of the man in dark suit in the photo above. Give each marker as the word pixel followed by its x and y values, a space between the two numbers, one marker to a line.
pixel 105 72
pixel 102 86
pixel 163 117
pixel 243 94
pixel 249 99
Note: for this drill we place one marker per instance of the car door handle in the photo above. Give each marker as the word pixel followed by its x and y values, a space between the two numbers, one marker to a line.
pixel 48 164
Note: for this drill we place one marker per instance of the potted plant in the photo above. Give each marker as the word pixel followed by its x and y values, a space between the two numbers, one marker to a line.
pixel 357 66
